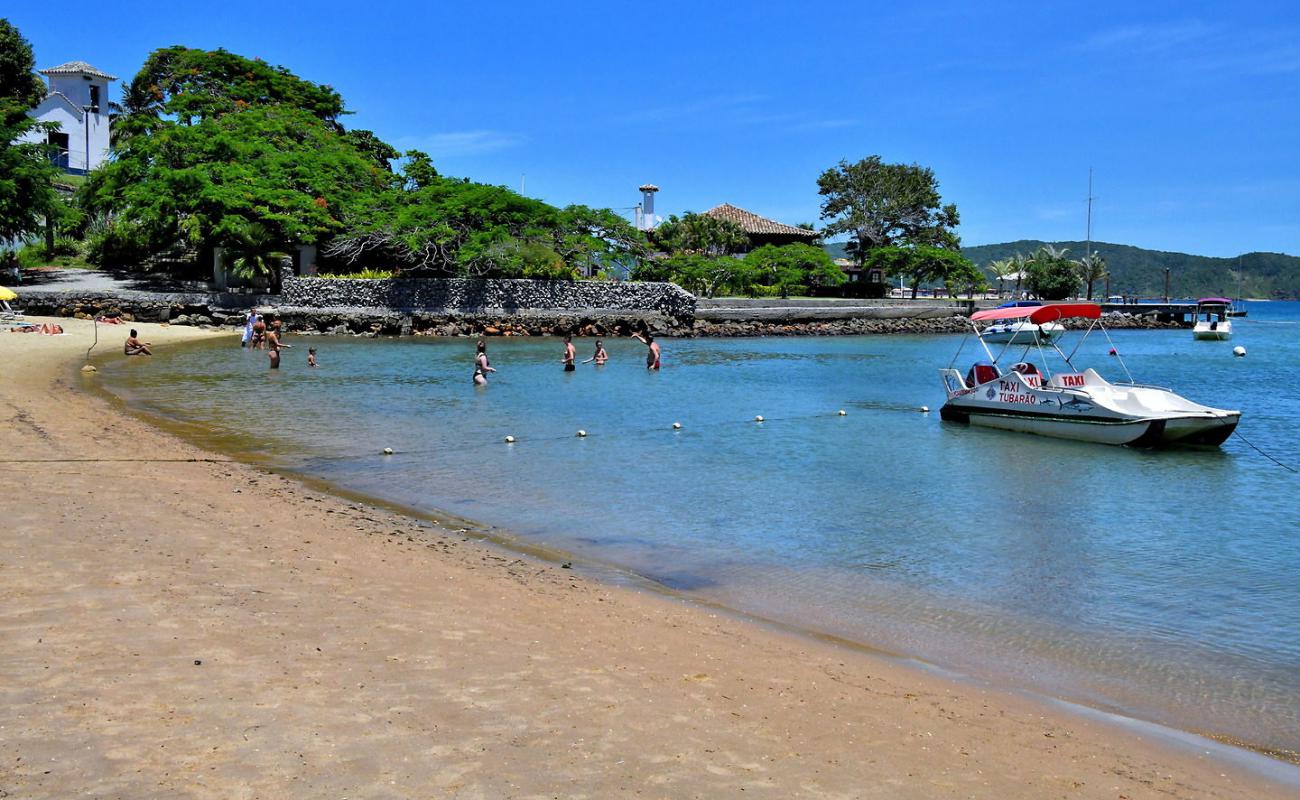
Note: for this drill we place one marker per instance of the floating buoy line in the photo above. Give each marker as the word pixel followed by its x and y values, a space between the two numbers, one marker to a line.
pixel 677 427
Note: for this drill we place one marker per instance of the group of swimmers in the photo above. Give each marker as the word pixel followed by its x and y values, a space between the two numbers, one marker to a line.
pixel 482 367
pixel 258 335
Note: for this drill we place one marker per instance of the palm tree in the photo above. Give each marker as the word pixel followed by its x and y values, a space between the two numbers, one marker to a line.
pixel 1002 269
pixel 1092 268
pixel 254 254
pixel 1021 263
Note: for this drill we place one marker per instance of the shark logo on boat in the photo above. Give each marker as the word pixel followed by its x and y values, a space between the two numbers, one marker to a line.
pixel 1075 404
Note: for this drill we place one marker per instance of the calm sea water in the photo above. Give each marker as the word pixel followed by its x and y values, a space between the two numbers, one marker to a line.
pixel 1165 585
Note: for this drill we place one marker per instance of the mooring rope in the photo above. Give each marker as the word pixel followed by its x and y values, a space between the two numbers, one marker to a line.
pixel 1257 449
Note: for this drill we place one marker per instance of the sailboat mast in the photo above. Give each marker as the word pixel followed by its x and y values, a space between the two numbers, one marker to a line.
pixel 1088 246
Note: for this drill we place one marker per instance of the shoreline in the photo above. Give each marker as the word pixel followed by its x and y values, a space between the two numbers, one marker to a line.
pixel 709 675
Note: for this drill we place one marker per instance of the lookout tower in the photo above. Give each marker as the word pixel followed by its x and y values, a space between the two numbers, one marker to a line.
pixel 645 213
pixel 78 101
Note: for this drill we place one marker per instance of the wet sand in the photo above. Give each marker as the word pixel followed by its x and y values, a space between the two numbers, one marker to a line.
pixel 202 628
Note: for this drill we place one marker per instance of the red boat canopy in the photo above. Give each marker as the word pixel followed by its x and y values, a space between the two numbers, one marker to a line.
pixel 1040 314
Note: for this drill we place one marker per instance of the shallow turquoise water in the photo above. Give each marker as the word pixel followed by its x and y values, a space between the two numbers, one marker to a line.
pixel 1161 584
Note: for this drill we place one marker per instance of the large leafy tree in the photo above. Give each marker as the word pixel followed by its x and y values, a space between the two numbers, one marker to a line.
pixel 190 85
pixel 215 149
pixel 277 167
pixel 882 205
pixel 27 196
pixel 445 226
pixel 1051 275
pixel 925 264
pixel 18 82
pixel 794 265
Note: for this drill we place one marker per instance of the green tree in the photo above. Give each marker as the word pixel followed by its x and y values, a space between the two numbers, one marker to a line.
pixel 275 166
pixel 700 234
pixel 253 254
pixel 18 82
pixel 1051 275
pixel 367 143
pixel 1092 268
pixel 924 264
pixel 27 196
pixel 884 205
pixel 191 85
pixel 794 266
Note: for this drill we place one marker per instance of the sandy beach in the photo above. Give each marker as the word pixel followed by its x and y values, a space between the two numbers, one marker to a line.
pixel 176 624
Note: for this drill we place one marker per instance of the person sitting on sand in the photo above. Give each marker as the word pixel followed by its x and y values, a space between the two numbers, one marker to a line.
pixel 569 354
pixel 652 349
pixel 273 344
pixel 135 347
pixel 311 357
pixel 600 356
pixel 481 366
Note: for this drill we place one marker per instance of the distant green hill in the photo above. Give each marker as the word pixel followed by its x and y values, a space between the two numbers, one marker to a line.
pixel 1135 271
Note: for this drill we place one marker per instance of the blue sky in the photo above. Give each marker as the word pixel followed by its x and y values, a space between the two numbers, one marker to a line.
pixel 1189 112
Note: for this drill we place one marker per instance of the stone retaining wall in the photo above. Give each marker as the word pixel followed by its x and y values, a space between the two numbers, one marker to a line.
pixel 488 295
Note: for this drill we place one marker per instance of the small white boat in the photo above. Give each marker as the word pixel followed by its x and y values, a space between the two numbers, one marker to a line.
pixel 1073 403
pixel 1021 332
pixel 1212 319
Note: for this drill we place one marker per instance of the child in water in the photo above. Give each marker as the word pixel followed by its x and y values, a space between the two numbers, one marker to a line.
pixel 311 356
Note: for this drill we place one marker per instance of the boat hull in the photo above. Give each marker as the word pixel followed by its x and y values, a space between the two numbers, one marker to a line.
pixel 1212 335
pixel 1161 432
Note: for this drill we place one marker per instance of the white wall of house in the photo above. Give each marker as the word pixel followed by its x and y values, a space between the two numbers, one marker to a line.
pixel 87 131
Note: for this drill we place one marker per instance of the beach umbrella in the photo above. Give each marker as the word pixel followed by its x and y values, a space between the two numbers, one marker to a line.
pixel 7 294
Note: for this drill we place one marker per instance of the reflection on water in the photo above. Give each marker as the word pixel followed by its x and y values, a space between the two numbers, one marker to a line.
pixel 1159 583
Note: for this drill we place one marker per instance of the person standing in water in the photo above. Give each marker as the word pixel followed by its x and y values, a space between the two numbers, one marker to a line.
pixel 652 349
pixel 247 339
pixel 311 357
pixel 259 333
pixel 600 357
pixel 569 354
pixel 481 366
pixel 273 344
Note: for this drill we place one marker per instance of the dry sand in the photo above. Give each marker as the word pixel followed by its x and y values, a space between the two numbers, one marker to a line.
pixel 209 630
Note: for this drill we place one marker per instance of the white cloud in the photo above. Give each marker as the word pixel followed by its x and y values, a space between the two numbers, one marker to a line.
pixel 460 143
pixel 1148 38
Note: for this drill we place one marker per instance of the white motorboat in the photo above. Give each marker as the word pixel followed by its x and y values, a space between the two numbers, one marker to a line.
pixel 1073 403
pixel 1021 332
pixel 1212 319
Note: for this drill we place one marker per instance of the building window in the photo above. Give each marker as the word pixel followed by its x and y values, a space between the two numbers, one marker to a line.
pixel 94 99
pixel 875 276
pixel 58 149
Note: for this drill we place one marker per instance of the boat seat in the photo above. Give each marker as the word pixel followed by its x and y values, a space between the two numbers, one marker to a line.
pixel 982 372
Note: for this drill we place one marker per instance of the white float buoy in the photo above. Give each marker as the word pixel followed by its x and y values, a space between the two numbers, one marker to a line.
pixel 388 451
pixel 677 426
pixel 1239 351
pixel 581 433
pixel 510 440
pixel 924 409
pixel 759 418
pixel 843 412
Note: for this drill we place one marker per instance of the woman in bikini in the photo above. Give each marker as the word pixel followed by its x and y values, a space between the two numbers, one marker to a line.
pixel 481 366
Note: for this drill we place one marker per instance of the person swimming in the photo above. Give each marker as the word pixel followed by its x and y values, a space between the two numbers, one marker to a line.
pixel 481 365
